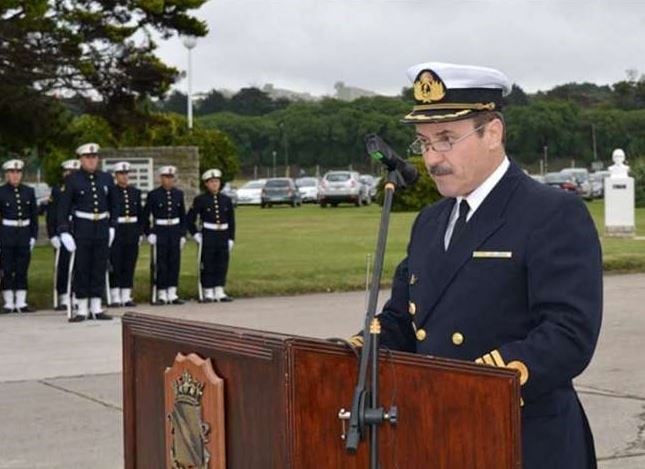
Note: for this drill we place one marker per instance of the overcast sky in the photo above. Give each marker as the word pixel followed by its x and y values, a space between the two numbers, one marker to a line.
pixel 308 45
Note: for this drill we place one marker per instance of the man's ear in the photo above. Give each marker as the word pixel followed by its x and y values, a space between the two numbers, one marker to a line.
pixel 495 134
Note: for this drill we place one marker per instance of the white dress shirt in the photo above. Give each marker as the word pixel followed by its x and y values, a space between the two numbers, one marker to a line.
pixel 475 198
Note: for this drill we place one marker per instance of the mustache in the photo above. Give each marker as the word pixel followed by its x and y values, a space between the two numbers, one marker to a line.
pixel 439 170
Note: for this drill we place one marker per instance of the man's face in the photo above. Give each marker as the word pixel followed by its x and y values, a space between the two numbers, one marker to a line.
pixel 90 162
pixel 14 177
pixel 462 169
pixel 213 185
pixel 122 178
pixel 167 182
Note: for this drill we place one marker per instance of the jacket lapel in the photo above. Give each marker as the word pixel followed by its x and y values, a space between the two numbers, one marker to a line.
pixel 484 223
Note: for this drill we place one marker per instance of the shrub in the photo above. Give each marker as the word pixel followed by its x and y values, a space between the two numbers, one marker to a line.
pixel 413 199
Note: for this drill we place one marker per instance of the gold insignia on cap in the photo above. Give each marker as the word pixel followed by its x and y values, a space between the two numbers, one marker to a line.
pixel 428 88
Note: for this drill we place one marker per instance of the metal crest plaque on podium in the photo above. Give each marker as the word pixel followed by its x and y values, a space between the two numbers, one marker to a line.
pixel 194 405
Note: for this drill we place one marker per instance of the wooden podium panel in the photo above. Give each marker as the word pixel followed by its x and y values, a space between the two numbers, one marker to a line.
pixel 283 394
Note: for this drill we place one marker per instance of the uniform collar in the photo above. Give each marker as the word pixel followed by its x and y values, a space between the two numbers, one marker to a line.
pixel 477 197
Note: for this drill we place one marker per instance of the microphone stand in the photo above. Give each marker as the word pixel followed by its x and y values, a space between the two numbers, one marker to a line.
pixel 365 411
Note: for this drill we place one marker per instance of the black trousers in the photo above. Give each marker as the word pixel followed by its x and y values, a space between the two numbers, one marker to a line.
pixel 62 273
pixel 90 265
pixel 123 260
pixel 214 263
pixel 15 264
pixel 168 261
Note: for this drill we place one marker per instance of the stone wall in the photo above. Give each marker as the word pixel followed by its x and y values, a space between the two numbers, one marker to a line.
pixel 186 159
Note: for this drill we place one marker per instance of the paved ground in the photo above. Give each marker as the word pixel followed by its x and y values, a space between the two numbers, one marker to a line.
pixel 60 384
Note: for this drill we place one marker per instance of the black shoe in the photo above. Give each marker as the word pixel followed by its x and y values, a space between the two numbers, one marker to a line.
pixel 25 309
pixel 177 301
pixel 77 318
pixel 206 300
pixel 225 299
pixel 158 303
pixel 102 317
pixel 129 304
pixel 60 308
pixel 114 305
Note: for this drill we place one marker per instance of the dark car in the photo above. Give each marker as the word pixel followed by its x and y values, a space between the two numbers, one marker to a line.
pixel 280 191
pixel 561 181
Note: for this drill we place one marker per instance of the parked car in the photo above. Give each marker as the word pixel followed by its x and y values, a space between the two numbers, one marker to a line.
pixel 561 181
pixel 370 182
pixel 42 192
pixel 308 187
pixel 230 191
pixel 581 178
pixel 342 186
pixel 280 191
pixel 598 183
pixel 251 192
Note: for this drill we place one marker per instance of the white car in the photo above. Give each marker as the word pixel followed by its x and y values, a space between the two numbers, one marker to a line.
pixel 251 192
pixel 308 187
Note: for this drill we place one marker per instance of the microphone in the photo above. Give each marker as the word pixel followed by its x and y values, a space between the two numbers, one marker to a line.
pixel 381 151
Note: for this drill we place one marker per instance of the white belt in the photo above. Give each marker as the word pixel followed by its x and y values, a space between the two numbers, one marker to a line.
pixel 91 216
pixel 127 219
pixel 215 226
pixel 166 221
pixel 6 222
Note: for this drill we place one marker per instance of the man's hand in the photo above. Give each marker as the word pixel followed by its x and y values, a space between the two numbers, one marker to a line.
pixel 198 238
pixel 152 239
pixel 68 242
pixel 32 243
pixel 230 245
pixel 55 242
pixel 182 242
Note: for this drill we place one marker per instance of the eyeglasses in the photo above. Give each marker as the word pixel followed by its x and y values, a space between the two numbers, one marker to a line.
pixel 421 145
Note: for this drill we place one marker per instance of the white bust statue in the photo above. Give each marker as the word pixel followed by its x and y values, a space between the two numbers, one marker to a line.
pixel 619 169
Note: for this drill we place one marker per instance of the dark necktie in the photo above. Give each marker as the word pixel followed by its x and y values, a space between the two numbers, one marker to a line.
pixel 464 208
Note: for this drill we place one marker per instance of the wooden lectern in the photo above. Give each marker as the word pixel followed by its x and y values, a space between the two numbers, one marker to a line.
pixel 282 395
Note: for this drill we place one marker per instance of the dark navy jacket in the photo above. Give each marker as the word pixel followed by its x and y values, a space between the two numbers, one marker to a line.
pixel 522 288
pixel 18 203
pixel 90 193
pixel 128 205
pixel 51 215
pixel 216 209
pixel 165 204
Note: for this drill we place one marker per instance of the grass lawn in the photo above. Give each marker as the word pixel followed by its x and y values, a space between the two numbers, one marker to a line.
pixel 287 251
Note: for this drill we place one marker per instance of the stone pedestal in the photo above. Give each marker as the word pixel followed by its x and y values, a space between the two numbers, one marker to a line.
pixel 619 206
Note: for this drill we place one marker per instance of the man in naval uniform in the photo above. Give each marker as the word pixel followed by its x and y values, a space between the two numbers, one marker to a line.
pixel 62 268
pixel 216 236
pixel 504 271
pixel 87 199
pixel 125 249
pixel 18 234
pixel 167 232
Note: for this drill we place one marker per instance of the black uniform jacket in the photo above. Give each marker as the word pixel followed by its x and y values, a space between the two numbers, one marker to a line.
pixel 520 288
pixel 18 206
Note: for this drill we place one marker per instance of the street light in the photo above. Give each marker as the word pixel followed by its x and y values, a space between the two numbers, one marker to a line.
pixel 189 43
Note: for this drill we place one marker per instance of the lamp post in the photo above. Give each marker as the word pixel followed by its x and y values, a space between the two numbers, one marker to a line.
pixel 189 43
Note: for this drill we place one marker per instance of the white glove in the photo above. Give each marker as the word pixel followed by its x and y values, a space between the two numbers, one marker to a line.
pixel 198 238
pixel 68 242
pixel 182 242
pixel 55 241
pixel 152 239
pixel 230 245
pixel 112 234
pixel 32 243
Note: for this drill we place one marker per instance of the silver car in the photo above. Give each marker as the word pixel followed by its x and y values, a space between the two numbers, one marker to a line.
pixel 308 187
pixel 342 186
